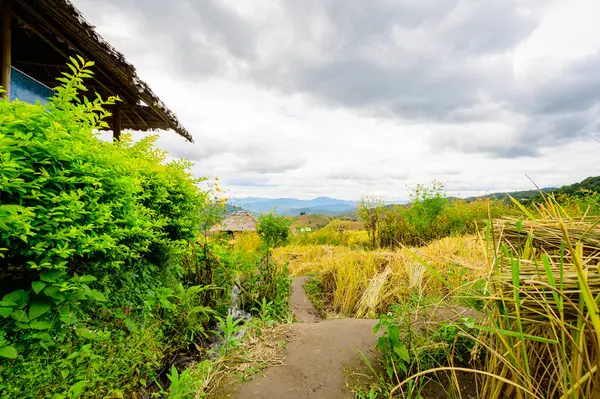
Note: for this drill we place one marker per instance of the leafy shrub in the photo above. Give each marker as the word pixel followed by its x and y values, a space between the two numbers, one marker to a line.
pixel 269 282
pixel 337 232
pixel 273 229
pixel 429 216
pixel 407 350
pixel 370 210
pixel 92 235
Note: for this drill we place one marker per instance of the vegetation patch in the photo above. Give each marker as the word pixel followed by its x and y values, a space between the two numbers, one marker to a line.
pixel 362 283
pixel 108 286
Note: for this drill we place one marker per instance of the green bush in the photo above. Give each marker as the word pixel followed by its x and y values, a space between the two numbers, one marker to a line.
pixel 91 238
pixel 274 230
pixel 429 216
pixel 407 349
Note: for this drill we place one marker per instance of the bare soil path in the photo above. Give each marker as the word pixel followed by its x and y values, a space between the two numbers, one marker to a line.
pixel 321 359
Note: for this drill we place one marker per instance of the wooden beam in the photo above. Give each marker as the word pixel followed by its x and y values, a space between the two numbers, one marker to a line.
pixel 125 94
pixel 122 105
pixel 50 43
pixel 140 118
pixel 6 52
pixel 126 116
pixel 116 125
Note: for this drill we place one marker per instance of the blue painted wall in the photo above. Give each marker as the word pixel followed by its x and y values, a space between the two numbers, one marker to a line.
pixel 27 89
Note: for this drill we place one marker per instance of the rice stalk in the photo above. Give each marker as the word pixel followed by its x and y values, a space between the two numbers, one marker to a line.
pixel 367 305
pixel 542 312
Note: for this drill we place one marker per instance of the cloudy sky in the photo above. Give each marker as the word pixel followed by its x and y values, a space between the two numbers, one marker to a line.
pixel 289 98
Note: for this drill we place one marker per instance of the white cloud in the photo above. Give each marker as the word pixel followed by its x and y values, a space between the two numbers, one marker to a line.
pixel 302 100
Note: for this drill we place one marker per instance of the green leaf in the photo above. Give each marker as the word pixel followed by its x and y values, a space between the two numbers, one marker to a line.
pixel 40 324
pixel 43 336
pixel 65 311
pixel 517 334
pixel 394 334
pixel 5 312
pixel 8 303
pixel 87 279
pixel 402 352
pixel 54 293
pixel 86 333
pixel 38 286
pixel 130 324
pixel 19 297
pixel 52 275
pixel 97 296
pixel 402 367
pixel 469 322
pixel 8 352
pixel 522 208
pixel 19 315
pixel 77 389
pixel 37 309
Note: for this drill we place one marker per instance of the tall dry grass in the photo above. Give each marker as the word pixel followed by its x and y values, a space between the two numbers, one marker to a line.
pixel 335 233
pixel 363 283
pixel 543 331
pixel 541 336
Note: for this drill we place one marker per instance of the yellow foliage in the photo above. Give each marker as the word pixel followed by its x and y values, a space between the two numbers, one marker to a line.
pixel 331 236
pixel 247 242
pixel 365 283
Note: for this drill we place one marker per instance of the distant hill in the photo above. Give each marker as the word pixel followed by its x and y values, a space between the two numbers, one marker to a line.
pixel 589 184
pixel 313 221
pixel 231 208
pixel 520 195
pixel 341 208
pixel 295 207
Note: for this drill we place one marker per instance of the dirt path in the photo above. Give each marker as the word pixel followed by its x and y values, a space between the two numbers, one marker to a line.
pixel 321 358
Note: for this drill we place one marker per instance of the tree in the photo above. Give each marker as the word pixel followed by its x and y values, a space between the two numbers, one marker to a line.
pixel 273 229
pixel 370 210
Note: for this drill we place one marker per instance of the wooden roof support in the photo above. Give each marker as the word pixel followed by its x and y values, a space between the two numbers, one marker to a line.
pixel 49 42
pixel 63 29
pixel 5 51
pixel 56 31
pixel 141 119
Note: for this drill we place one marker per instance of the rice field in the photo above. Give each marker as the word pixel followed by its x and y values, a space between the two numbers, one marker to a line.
pixel 537 278
pixel 365 283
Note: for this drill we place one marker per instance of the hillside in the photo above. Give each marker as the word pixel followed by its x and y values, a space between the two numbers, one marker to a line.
pixel 312 221
pixel 327 206
pixel 588 184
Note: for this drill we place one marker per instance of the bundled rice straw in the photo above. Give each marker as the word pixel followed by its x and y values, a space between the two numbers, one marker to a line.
pixel 543 333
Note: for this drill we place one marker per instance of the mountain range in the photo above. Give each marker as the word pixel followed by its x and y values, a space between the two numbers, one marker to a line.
pixel 294 207
pixel 336 207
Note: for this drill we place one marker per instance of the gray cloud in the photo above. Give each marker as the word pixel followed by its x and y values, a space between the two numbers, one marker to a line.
pixel 446 66
pixel 430 61
pixel 197 37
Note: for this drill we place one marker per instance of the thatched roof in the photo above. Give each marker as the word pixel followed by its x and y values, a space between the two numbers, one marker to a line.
pixel 237 221
pixel 47 32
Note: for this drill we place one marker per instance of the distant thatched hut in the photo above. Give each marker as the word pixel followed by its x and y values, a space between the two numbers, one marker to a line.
pixel 237 222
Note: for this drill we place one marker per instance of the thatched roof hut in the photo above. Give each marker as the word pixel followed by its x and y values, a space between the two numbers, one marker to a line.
pixel 39 36
pixel 237 222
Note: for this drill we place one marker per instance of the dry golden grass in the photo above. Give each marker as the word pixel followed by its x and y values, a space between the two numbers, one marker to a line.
pixel 365 283
pixel 262 348
pixel 544 323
